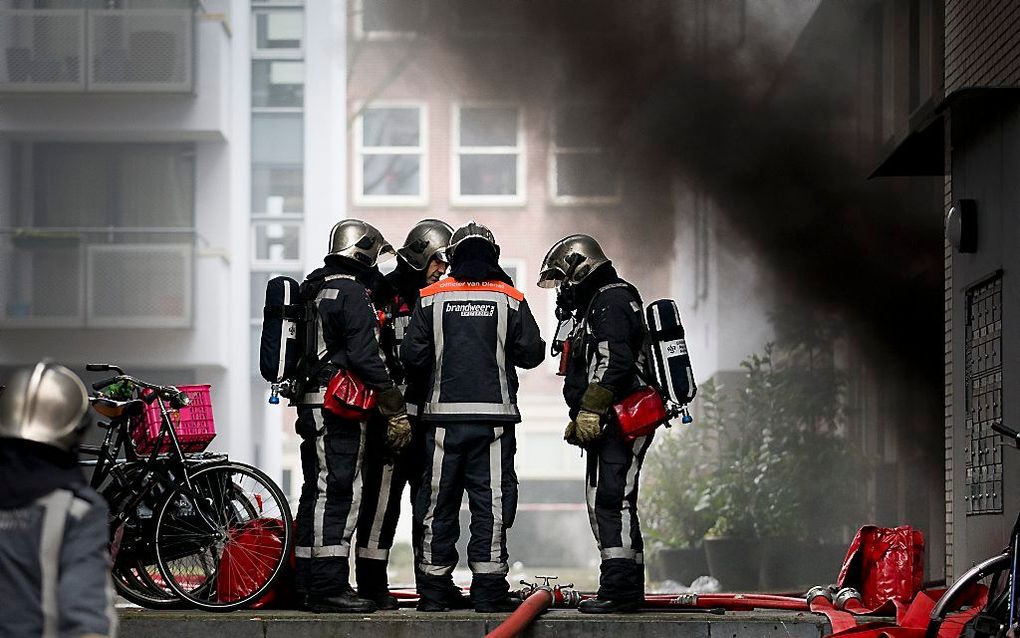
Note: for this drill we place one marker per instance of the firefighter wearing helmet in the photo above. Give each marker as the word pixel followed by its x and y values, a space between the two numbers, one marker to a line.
pixel 467 335
pixel 54 563
pixel 602 368
pixel 332 447
pixel 421 261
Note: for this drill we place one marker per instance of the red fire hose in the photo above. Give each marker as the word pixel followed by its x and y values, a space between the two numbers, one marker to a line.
pixel 533 605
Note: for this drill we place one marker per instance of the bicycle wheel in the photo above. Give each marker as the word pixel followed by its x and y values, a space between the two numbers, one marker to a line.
pixel 965 602
pixel 140 584
pixel 221 546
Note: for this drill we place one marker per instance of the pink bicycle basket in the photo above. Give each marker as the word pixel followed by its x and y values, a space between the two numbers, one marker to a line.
pixel 193 424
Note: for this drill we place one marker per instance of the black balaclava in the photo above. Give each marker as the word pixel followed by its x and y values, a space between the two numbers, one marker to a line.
pixel 475 259
pixel 30 470
pixel 408 281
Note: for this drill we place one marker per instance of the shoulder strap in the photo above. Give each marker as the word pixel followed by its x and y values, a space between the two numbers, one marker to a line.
pixel 311 311
pixel 646 340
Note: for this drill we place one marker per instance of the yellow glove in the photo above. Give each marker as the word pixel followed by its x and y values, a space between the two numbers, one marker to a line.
pixel 398 431
pixel 588 427
pixel 570 434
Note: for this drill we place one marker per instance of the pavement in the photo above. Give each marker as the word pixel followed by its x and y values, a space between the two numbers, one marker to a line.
pixel 557 623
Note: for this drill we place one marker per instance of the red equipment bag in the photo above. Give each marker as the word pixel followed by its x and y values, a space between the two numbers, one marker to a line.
pixel 884 564
pixel 348 397
pixel 639 413
pixel 249 556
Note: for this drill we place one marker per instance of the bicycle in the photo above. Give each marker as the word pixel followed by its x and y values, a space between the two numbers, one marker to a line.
pixel 181 521
pixel 999 614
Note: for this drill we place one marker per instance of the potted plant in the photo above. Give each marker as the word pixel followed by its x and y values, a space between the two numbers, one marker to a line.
pixel 675 475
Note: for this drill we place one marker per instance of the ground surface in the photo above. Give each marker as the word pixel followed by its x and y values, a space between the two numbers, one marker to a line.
pixel 139 623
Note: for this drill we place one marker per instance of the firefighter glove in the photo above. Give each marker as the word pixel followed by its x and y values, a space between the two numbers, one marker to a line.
pixel 588 427
pixel 598 399
pixel 570 434
pixel 398 432
pixel 391 402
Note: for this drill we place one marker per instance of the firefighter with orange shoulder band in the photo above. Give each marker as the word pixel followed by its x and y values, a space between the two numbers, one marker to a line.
pixel 467 335
pixel 603 365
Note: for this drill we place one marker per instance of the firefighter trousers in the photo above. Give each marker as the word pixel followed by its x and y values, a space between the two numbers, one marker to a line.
pixel 385 474
pixel 478 458
pixel 332 450
pixel 611 481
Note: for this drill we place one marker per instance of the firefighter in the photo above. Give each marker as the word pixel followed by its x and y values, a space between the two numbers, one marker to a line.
pixel 332 448
pixel 466 337
pixel 606 346
pixel 54 563
pixel 420 262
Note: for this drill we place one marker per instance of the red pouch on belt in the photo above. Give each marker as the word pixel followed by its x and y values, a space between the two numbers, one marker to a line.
pixel 639 413
pixel 884 564
pixel 348 397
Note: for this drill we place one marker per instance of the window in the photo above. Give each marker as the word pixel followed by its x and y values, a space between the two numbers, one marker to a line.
pixel 278 83
pixel 582 166
pixel 388 19
pixel 514 268
pixel 488 166
pixel 277 149
pixel 276 243
pixel 390 167
pixel 278 31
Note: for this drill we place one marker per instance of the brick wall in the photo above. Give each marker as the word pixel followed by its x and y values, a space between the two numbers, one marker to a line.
pixel 982 43
pixel 948 388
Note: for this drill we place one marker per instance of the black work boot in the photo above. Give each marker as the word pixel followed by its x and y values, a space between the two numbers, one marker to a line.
pixel 429 604
pixel 346 602
pixel 609 606
pixel 503 605
pixel 455 599
pixel 373 584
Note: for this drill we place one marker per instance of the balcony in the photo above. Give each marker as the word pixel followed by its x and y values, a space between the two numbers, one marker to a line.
pixel 85 50
pixel 96 277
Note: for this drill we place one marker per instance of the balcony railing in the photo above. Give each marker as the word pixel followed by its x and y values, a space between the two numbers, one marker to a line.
pixel 97 50
pixel 96 277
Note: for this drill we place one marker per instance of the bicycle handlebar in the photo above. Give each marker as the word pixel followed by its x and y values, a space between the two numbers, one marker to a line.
pixel 176 397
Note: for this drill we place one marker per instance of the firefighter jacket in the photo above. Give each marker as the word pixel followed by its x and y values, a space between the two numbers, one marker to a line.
pixel 346 331
pixel 401 296
pixel 606 347
pixel 55 566
pixel 463 343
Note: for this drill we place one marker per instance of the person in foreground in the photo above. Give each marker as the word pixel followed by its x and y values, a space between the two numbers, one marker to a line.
pixel 602 368
pixel 466 337
pixel 54 562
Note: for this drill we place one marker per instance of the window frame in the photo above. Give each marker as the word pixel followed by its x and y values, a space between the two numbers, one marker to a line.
pixel 554 151
pixel 278 109
pixel 520 198
pixel 283 264
pixel 375 36
pixel 280 54
pixel 358 152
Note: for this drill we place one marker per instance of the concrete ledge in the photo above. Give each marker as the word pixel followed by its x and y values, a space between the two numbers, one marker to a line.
pixel 137 623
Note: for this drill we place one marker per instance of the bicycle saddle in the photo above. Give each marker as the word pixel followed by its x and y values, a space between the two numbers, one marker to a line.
pixel 113 409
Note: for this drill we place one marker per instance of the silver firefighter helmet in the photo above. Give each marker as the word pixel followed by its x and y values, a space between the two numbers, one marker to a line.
pixel 471 230
pixel 359 241
pixel 45 404
pixel 429 238
pixel 570 260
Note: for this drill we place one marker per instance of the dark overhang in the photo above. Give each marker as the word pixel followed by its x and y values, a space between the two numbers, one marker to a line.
pixel 922 151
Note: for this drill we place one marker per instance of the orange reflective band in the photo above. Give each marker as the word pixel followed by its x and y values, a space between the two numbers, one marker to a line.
pixel 452 285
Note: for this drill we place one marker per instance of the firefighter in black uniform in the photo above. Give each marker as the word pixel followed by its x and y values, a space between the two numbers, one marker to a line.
pixel 604 359
pixel 420 262
pixel 466 336
pixel 332 449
